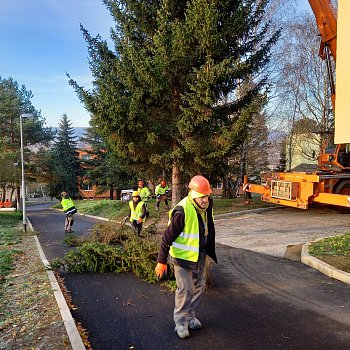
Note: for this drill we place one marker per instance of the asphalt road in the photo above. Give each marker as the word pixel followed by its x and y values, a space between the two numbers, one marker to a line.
pixel 257 301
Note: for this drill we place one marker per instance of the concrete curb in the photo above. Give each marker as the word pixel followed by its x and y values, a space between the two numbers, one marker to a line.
pixel 71 328
pixel 87 215
pixel 321 266
pixel 94 217
pixel 244 212
pixel 7 209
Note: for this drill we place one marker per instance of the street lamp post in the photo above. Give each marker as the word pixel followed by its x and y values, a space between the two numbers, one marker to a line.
pixel 15 181
pixel 24 217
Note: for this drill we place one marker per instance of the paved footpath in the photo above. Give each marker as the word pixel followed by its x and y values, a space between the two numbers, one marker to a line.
pixel 257 301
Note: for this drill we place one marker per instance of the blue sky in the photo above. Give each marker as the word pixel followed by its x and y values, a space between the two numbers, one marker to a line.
pixel 41 41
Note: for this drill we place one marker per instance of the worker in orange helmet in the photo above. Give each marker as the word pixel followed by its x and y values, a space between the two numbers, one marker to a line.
pixel 188 239
pixel 162 191
pixel 137 213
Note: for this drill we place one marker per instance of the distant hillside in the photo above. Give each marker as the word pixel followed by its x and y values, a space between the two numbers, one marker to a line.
pixel 276 135
pixel 274 138
pixel 79 133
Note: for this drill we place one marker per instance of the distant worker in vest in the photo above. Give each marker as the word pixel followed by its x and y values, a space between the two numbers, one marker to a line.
pixel 137 212
pixel 161 192
pixel 144 193
pixel 69 210
pixel 189 238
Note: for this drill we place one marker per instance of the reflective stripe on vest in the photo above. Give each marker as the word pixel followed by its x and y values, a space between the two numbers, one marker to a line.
pixel 186 245
pixel 67 203
pixel 137 212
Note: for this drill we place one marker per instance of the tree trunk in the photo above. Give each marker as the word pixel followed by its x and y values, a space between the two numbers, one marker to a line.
pixel 12 192
pixel 242 168
pixel 18 196
pixel 3 190
pixel 228 190
pixel 224 187
pixel 175 185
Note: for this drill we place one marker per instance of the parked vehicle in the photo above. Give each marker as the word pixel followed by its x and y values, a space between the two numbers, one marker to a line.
pixel 126 195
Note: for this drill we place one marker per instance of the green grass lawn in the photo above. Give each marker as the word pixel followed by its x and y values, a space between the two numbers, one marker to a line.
pixel 334 251
pixel 339 245
pixel 104 208
pixel 29 316
pixel 223 206
pixel 9 236
pixel 118 210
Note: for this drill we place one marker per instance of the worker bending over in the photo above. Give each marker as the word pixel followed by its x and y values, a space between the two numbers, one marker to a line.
pixel 69 210
pixel 161 192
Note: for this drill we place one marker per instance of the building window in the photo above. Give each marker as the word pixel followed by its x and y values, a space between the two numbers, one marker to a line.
pixel 86 187
pixel 86 157
pixel 218 184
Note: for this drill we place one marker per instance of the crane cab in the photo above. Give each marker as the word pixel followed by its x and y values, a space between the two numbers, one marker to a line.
pixel 335 159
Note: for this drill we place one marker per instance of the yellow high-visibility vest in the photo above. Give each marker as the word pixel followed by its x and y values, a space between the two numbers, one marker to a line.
pixel 186 245
pixel 137 212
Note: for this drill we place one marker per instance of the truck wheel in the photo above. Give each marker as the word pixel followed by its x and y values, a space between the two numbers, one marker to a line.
pixel 343 188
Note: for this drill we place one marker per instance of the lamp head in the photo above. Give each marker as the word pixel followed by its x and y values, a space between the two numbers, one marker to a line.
pixel 27 116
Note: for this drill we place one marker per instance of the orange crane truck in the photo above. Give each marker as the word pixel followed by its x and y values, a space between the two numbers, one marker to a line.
pixel 330 184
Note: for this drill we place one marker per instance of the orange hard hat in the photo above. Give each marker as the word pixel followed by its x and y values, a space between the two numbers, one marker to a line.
pixel 140 183
pixel 200 184
pixel 163 183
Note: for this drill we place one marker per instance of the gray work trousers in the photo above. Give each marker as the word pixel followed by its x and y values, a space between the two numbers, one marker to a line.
pixel 190 286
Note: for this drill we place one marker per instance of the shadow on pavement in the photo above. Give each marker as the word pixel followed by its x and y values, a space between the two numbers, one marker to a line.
pixel 120 311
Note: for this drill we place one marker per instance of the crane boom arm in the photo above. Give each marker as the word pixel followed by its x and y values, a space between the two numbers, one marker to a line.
pixel 326 20
pixel 330 184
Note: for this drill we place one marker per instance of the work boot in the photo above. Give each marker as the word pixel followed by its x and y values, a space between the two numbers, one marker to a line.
pixel 182 331
pixel 157 208
pixel 195 323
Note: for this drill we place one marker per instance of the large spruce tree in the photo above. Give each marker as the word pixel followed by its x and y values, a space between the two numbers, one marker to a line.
pixel 67 170
pixel 166 94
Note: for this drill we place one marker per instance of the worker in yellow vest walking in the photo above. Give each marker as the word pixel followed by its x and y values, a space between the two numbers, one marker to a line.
pixel 188 239
pixel 69 210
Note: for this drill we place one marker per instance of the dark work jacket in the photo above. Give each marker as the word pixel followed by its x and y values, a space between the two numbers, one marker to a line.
pixel 206 244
